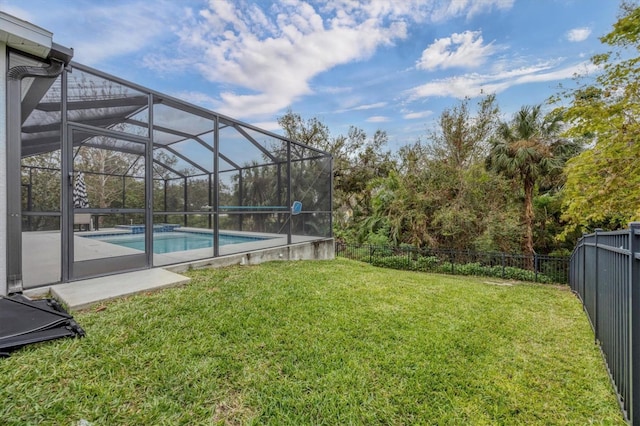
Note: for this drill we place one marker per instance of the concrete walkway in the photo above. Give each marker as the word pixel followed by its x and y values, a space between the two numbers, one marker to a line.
pixel 83 294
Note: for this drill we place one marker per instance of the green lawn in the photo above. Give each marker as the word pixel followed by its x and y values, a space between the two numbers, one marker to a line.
pixel 329 342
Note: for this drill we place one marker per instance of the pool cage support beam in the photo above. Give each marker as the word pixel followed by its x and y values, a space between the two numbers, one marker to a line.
pixel 14 229
pixel 66 152
pixel 279 190
pixel 210 200
pixel 240 197
pixel 186 201
pixel 14 158
pixel 331 194
pixel 290 228
pixel 164 190
pixel 148 187
pixel 216 188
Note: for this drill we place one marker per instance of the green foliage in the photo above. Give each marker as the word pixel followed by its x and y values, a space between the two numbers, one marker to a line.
pixel 461 138
pixel 412 259
pixel 602 182
pixel 549 224
pixel 441 195
pixel 433 264
pixel 378 238
pixel 502 233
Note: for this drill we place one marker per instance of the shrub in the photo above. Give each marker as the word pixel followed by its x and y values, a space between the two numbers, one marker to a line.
pixel 393 262
pixel 411 259
pixel 427 263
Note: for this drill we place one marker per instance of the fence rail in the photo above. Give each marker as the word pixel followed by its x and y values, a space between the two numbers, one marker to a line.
pixel 605 274
pixel 537 268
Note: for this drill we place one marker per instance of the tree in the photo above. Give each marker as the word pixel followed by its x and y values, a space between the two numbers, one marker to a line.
pixel 441 194
pixel 602 183
pixel 401 207
pixel 312 132
pixel 462 139
pixel 528 149
pixel 466 195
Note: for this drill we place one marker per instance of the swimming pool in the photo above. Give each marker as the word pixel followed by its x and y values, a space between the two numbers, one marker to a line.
pixel 168 242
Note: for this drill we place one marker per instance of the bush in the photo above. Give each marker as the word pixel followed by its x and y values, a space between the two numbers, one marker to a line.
pixel 410 259
pixel 393 262
pixel 427 263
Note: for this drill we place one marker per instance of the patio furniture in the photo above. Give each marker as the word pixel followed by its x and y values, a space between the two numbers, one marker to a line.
pixel 83 220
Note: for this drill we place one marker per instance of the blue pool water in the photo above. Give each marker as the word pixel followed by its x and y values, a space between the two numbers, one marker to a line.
pixel 167 242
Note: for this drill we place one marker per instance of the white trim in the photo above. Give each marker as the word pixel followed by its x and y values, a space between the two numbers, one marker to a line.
pixel 24 36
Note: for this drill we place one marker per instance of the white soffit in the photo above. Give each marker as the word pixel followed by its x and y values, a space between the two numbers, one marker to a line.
pixel 24 36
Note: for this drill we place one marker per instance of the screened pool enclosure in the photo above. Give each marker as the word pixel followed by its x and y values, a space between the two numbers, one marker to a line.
pixel 116 177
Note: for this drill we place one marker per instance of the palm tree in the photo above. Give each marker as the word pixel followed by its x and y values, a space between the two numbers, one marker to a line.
pixel 528 149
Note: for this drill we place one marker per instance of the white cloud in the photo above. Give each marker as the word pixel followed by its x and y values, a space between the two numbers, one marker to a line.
pixel 362 107
pixel 272 52
pixel 475 84
pixel 370 106
pixel 272 126
pixel 460 50
pixel 297 44
pixel 470 8
pixel 334 90
pixel 417 115
pixel 377 119
pixel 18 12
pixel 198 98
pixel 416 10
pixel 578 34
pixel 261 104
pixel 98 31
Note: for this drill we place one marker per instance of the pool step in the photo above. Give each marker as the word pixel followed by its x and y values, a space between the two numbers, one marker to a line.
pixel 83 294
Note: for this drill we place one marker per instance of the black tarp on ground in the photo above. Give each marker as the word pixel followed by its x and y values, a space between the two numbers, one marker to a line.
pixel 24 321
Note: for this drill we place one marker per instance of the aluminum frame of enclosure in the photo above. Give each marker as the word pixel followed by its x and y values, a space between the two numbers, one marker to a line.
pixel 216 173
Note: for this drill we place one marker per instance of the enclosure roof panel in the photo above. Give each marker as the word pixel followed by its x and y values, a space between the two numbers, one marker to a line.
pixel 186 132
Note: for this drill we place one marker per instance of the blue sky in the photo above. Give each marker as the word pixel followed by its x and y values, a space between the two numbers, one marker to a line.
pixel 392 65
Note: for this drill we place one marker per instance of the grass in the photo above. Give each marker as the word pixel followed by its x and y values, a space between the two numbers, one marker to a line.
pixel 333 342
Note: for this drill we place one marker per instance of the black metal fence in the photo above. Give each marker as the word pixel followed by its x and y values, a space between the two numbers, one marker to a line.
pixel 605 274
pixel 537 268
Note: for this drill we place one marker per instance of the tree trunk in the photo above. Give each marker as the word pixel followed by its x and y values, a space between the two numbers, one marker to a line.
pixel 528 220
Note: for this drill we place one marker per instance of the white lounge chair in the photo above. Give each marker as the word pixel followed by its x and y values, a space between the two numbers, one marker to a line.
pixel 83 219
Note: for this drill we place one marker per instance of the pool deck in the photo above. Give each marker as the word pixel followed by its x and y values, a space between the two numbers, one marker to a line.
pixel 41 251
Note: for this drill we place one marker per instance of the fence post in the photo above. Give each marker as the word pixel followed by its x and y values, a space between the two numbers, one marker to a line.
pixel 535 265
pixel 582 282
pixel 595 296
pixel 453 271
pixel 634 326
pixel 503 265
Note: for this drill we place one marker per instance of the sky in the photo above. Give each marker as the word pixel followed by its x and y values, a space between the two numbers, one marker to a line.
pixel 391 65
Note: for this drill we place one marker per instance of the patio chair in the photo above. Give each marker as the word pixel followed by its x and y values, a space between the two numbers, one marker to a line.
pixel 83 220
